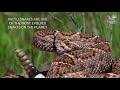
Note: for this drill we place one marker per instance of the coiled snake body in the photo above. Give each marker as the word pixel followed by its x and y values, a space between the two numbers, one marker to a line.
pixel 78 55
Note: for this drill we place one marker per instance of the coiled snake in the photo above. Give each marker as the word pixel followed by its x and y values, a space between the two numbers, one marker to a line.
pixel 78 55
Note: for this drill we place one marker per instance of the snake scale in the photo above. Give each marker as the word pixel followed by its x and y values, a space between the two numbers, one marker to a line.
pixel 78 55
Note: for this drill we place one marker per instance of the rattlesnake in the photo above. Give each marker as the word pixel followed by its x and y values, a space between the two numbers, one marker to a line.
pixel 78 55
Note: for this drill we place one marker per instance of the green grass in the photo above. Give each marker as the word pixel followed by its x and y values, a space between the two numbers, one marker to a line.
pixel 84 22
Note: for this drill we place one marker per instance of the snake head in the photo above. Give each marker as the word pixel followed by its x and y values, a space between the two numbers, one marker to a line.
pixel 44 40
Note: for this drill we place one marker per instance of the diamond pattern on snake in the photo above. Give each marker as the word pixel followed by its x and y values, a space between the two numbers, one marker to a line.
pixel 76 53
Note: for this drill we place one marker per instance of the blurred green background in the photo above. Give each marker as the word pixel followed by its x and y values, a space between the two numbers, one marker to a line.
pixel 104 24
